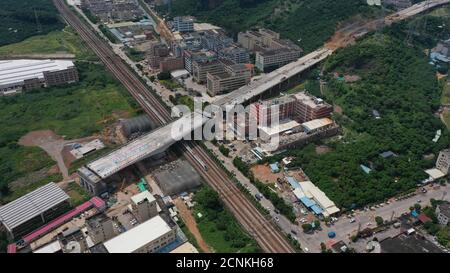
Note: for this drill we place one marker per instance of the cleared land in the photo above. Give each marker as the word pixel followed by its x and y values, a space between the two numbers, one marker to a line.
pixel 55 42
pixel 72 111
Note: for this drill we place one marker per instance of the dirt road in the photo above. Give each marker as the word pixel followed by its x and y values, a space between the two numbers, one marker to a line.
pixel 191 224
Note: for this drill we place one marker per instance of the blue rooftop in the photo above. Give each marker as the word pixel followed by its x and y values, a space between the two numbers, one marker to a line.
pixel 293 182
pixel 307 202
pixel 414 214
pixel 274 167
pixel 316 209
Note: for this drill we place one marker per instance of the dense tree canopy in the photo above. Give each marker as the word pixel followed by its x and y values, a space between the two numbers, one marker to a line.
pixel 21 19
pixel 397 81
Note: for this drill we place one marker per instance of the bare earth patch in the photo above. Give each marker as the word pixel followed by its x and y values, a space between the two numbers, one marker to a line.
pixel 53 145
pixel 264 174
pixel 191 224
pixel 320 150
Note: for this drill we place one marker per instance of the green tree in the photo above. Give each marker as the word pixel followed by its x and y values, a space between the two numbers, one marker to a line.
pixel 307 227
pixel 379 220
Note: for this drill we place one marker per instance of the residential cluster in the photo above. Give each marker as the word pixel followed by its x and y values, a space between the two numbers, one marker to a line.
pixel 110 11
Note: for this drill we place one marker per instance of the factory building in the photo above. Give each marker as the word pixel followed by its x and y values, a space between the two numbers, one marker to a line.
pixel 309 107
pixel 18 75
pixel 100 228
pixel 144 206
pixel 233 77
pixel 269 60
pixel 171 63
pixel 235 54
pixel 147 237
pixel 183 24
pixel 201 69
pixel 200 56
pixel 34 209
pixel 264 110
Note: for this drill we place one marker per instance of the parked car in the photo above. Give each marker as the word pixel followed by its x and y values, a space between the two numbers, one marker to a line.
pixel 352 220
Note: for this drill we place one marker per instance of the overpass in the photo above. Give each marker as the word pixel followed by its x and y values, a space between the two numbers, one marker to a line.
pixel 157 141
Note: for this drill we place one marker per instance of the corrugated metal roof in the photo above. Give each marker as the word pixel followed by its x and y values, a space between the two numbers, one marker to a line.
pixel 32 204
pixel 138 236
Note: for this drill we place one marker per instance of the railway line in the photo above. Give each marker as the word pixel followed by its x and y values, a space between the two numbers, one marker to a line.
pixel 262 230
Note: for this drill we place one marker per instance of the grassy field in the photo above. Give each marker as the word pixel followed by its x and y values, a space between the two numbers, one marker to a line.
pixel 66 41
pixel 77 194
pixel 72 111
pixel 170 84
pixel 218 227
pixel 30 187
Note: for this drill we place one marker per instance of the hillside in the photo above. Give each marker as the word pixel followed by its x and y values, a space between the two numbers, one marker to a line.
pixel 311 22
pixel 19 19
pixel 397 81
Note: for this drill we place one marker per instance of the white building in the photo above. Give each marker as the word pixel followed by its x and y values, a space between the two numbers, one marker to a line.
pixel 147 237
pixel 183 24
pixel 18 75
pixel 443 214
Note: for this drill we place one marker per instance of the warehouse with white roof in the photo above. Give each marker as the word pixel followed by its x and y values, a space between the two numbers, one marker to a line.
pixel 147 237
pixel 34 209
pixel 26 74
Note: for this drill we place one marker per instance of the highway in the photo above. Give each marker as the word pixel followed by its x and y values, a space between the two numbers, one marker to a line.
pixel 265 234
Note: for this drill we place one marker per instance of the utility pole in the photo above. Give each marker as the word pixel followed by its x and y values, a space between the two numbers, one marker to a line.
pixel 38 24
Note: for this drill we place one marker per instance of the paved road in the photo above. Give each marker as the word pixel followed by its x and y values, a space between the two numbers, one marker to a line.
pixel 310 241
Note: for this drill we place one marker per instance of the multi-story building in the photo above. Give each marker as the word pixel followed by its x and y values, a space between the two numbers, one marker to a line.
pixel 100 228
pixel 18 75
pixel 257 40
pixel 264 110
pixel 183 24
pixel 171 63
pixel 269 60
pixel 33 210
pixel 271 51
pixel 201 69
pixel 443 213
pixel 200 56
pixel 215 40
pixel 148 237
pixel 144 206
pixel 443 161
pixel 234 76
pixel 113 10
pixel 156 53
pixel 308 107
pixel 235 54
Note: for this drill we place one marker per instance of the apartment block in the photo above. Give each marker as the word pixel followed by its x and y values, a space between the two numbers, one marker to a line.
pixel 100 228
pixel 144 206
pixel 443 161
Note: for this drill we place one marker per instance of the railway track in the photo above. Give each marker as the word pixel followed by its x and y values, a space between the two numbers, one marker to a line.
pixel 262 230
